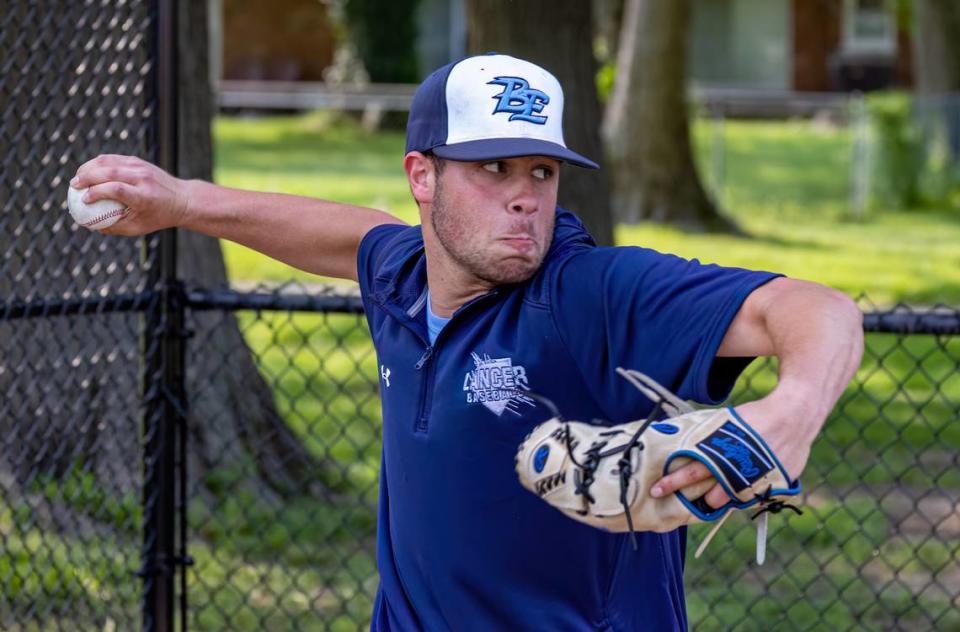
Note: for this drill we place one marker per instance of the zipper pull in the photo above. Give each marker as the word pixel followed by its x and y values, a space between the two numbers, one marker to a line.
pixel 424 358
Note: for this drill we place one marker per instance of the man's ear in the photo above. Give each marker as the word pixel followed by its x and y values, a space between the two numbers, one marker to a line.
pixel 421 176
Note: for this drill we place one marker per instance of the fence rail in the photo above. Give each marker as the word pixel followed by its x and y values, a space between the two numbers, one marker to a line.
pixel 311 95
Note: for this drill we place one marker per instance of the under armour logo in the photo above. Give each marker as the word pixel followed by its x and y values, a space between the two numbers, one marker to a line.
pixel 385 374
pixel 520 100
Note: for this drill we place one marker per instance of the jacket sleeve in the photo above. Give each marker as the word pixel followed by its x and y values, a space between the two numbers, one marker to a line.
pixel 660 314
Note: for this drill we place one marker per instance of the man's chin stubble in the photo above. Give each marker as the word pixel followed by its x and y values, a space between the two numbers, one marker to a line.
pixel 508 274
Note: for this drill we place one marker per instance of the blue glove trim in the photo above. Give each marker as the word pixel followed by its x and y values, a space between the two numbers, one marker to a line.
pixel 699 508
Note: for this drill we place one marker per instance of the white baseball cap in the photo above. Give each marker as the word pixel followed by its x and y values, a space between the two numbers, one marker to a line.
pixel 489 107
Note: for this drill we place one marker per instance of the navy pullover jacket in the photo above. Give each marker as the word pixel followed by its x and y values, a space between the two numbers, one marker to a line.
pixel 460 544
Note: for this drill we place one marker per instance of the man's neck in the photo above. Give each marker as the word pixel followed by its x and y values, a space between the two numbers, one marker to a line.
pixel 450 286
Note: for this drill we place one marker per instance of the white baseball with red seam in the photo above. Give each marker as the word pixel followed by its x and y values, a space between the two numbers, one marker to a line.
pixel 95 216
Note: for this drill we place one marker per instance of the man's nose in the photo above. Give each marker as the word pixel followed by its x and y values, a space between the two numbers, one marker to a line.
pixel 523 197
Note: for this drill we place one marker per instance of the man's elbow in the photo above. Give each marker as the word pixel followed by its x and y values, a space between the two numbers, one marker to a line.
pixel 824 303
pixel 843 314
pixel 845 307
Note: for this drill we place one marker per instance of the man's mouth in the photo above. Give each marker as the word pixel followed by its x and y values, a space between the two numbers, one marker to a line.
pixel 522 242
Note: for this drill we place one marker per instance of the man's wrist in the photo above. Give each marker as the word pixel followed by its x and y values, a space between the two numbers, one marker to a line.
pixel 192 201
pixel 804 403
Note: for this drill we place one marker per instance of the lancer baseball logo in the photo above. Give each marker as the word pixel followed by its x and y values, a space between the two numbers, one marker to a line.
pixel 496 383
pixel 522 102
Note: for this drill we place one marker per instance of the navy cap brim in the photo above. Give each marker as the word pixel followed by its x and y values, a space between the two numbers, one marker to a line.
pixel 497 148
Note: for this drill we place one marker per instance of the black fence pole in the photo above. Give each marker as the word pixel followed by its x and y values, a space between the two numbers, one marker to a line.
pixel 163 349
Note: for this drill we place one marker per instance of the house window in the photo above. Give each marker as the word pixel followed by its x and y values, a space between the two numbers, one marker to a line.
pixel 869 26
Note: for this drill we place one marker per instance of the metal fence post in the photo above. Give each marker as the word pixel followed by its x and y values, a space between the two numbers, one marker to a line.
pixel 163 348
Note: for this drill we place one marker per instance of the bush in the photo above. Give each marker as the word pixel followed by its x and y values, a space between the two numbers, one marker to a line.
pixel 385 35
pixel 916 150
pixel 898 160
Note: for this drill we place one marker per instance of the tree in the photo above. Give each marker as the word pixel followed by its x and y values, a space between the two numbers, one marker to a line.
pixel 69 384
pixel 385 36
pixel 557 35
pixel 646 127
pixel 937 60
pixel 233 420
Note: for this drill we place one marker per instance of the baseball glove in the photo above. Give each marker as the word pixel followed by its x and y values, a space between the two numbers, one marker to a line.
pixel 602 475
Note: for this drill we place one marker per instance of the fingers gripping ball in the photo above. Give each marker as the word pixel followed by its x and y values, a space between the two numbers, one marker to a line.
pixel 95 216
pixel 602 475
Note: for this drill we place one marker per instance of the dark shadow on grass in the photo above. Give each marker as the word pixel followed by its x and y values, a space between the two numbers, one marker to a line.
pixel 792 244
pixel 946 294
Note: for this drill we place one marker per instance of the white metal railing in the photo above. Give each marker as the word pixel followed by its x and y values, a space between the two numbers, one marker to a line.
pixel 310 95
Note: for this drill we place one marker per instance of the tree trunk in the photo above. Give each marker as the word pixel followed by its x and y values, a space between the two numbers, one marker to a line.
pixel 557 35
pixel 647 128
pixel 936 45
pixel 607 20
pixel 233 419
pixel 69 384
pixel 936 60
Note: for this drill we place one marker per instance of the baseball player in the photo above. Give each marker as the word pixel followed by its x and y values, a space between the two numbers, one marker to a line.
pixel 497 301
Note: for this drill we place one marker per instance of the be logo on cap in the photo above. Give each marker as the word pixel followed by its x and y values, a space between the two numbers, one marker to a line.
pixel 451 114
pixel 520 100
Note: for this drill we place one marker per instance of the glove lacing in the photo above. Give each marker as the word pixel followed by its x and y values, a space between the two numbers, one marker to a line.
pixel 584 475
pixel 768 505
pixel 773 505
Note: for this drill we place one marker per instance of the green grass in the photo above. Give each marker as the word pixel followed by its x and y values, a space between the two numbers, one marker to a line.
pixel 77 489
pixel 308 156
pixel 840 566
pixel 786 183
pixel 46 576
pixel 263 566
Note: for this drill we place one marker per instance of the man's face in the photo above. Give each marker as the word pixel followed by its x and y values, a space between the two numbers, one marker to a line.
pixel 495 219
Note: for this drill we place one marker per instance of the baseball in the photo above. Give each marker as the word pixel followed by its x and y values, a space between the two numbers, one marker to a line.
pixel 95 216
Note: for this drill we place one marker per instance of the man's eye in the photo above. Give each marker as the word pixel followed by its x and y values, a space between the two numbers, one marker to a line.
pixel 493 167
pixel 542 172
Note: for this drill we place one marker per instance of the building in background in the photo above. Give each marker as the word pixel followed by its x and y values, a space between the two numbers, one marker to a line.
pixel 757 45
pixel 798 45
pixel 281 40
pixel 296 40
pixel 443 33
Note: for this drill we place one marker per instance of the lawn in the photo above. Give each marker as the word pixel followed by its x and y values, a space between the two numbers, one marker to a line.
pixel 786 183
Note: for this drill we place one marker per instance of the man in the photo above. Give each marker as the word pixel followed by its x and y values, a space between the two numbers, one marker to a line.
pixel 498 293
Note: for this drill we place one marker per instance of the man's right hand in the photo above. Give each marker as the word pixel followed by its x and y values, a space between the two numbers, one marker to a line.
pixel 155 200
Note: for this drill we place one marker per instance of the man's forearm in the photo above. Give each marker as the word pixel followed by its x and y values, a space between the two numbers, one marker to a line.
pixel 310 234
pixel 817 335
pixel 313 235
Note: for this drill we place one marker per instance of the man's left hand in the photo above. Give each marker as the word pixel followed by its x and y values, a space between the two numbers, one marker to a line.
pixel 787 428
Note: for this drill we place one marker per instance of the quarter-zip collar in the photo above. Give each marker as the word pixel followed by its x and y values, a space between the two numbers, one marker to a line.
pixel 400 287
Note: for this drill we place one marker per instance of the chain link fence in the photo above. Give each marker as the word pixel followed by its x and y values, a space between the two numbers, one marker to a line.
pixel 878 545
pixel 75 80
pixel 877 548
pixel 874 151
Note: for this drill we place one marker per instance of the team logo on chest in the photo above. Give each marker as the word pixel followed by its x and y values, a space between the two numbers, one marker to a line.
pixel 522 102
pixel 497 384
